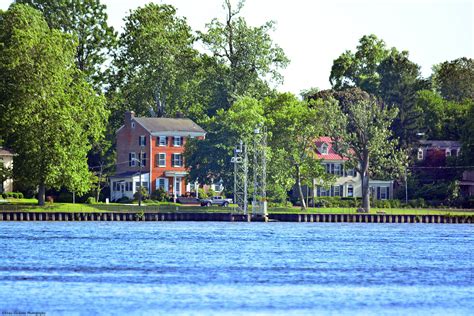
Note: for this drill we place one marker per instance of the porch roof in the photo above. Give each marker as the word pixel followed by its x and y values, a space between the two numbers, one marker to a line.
pixel 128 174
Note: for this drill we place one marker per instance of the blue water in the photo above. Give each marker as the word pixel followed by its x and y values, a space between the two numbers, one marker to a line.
pixel 207 268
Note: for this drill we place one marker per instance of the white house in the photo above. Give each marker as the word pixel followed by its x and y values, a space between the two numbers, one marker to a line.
pixel 6 159
pixel 348 182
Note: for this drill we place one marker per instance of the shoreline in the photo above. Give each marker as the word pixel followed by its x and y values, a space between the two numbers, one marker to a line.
pixel 16 216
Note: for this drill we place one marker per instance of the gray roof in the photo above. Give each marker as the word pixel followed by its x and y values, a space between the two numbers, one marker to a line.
pixel 128 174
pixel 441 143
pixel 164 124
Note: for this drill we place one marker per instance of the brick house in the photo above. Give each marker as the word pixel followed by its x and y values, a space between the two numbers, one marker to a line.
pixel 6 160
pixel 348 182
pixel 152 149
pixel 428 149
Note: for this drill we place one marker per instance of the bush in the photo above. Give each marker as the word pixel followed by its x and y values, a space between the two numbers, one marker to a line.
pixel 20 195
pixel 144 194
pixel 90 200
pixel 123 199
pixel 202 194
pixel 160 195
pixel 4 195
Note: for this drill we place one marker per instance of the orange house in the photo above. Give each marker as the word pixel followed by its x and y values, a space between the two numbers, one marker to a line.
pixel 150 151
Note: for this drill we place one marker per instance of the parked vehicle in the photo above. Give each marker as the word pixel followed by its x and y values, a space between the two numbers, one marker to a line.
pixel 216 200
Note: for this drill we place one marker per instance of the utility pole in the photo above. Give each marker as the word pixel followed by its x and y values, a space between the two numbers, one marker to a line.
pixel 240 161
pixel 140 187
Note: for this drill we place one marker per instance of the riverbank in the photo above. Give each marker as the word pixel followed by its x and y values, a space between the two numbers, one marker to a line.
pixel 234 217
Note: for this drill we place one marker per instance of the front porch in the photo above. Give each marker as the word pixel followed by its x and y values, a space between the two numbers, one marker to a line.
pixel 126 184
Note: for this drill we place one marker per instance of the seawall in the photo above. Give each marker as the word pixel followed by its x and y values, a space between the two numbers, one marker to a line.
pixel 230 217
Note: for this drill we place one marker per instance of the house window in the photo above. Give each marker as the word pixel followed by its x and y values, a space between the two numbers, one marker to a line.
pixel 337 190
pixel 324 149
pixel 128 186
pixel 351 172
pixel 160 160
pixel 162 141
pixel 420 154
pixel 177 160
pixel 337 169
pixel 454 152
pixel 448 152
pixel 383 193
pixel 177 141
pixel 350 190
pixel 144 184
pixel 142 140
pixel 133 124
pixel 131 160
pixel 143 159
pixel 162 183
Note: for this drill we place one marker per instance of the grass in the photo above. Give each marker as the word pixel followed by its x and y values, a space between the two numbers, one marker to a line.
pixel 30 205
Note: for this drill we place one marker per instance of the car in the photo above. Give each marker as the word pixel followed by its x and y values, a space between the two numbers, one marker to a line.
pixel 216 200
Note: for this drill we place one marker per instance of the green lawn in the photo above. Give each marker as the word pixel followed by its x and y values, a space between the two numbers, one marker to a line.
pixel 31 206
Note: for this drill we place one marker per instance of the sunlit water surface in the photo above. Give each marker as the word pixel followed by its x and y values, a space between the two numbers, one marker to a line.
pixel 212 268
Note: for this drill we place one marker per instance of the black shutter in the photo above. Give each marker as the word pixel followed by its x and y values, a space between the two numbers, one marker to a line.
pixel 378 193
pixel 129 159
pixel 172 160
pixel 166 140
pixel 318 192
pixel 182 141
pixel 332 191
pixel 157 158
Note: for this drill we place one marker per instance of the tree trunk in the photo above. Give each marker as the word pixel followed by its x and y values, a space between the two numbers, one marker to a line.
pixel 365 185
pixel 41 194
pixel 300 189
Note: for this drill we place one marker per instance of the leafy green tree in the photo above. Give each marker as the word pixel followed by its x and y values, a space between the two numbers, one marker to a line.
pixel 455 79
pixel 210 158
pixel 155 65
pixel 294 127
pixel 361 132
pixel 359 69
pixel 248 52
pixel 467 138
pixel 400 79
pixel 442 119
pixel 87 20
pixel 49 114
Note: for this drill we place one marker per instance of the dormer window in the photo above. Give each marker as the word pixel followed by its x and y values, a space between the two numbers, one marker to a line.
pixel 324 149
pixel 420 154
pixel 133 124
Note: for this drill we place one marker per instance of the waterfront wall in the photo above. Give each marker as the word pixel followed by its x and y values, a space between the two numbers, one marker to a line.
pixel 229 217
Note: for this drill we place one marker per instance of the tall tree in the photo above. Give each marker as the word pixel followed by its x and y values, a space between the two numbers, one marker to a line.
pixel 400 79
pixel 249 52
pixel 210 158
pixel 294 128
pixel 49 114
pixel 442 119
pixel 156 64
pixel 359 69
pixel 361 132
pixel 86 19
pixel 455 79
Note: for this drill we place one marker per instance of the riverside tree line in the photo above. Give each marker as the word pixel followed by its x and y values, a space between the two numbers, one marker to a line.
pixel 67 77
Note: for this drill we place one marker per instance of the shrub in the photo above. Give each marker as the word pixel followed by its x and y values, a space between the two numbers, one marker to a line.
pixel 144 193
pixel 4 195
pixel 160 195
pixel 202 194
pixel 123 199
pixel 20 195
pixel 90 200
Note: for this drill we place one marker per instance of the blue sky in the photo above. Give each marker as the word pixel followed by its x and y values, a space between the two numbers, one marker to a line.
pixel 314 33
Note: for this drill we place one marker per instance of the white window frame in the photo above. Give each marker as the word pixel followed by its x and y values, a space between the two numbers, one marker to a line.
pixel 351 192
pixel 165 184
pixel 162 141
pixel 448 152
pixel 132 162
pixel 160 159
pixel 142 140
pixel 337 190
pixel 133 124
pixel 337 169
pixel 420 154
pixel 180 160
pixel 324 149
pixel 384 191
pixel 177 141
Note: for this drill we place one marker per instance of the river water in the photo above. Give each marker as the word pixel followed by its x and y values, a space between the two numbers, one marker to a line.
pixel 215 268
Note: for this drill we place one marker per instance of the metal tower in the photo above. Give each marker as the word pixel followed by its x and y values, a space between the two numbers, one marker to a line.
pixel 259 202
pixel 240 161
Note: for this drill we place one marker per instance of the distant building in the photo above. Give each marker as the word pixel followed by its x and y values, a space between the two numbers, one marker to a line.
pixel 431 149
pixel 348 182
pixel 154 146
pixel 6 160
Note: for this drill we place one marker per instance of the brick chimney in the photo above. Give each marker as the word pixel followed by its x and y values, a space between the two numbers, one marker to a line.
pixel 129 115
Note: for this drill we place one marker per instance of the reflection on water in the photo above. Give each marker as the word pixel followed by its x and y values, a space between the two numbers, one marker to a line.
pixel 236 268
